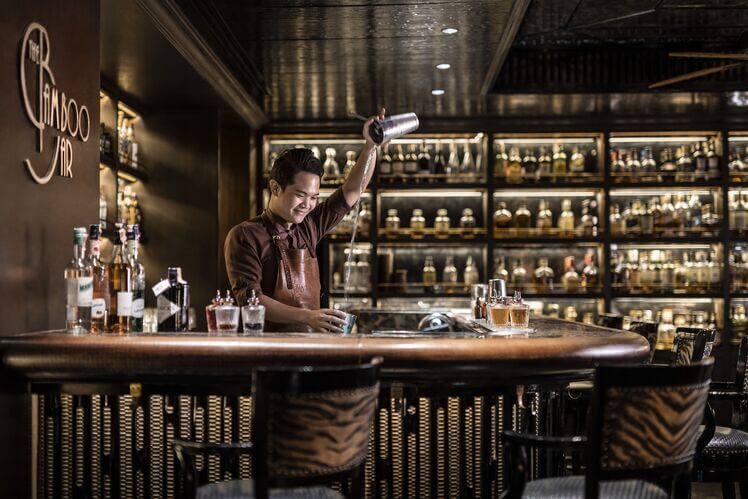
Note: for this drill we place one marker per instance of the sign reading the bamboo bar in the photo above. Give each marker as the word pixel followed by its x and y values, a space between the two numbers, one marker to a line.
pixel 49 108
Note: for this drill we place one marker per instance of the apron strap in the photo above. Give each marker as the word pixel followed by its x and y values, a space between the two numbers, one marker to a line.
pixel 280 248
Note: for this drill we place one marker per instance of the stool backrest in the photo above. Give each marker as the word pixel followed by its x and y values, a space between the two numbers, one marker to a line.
pixel 645 419
pixel 649 331
pixel 692 344
pixel 612 321
pixel 741 373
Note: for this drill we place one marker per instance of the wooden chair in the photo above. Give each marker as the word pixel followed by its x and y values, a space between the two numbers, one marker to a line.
pixel 725 458
pixel 310 428
pixel 643 428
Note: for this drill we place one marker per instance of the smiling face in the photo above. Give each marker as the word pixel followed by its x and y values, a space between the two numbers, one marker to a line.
pixel 299 197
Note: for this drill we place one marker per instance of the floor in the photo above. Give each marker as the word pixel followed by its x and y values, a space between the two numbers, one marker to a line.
pixel 708 491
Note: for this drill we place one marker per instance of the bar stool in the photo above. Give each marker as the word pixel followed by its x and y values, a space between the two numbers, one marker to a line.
pixel 649 331
pixel 725 458
pixel 612 321
pixel 310 428
pixel 641 429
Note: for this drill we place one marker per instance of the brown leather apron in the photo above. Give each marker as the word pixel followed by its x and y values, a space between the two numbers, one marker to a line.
pixel 297 284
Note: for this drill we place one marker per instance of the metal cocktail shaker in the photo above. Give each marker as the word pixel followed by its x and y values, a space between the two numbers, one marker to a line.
pixel 496 289
pixel 393 127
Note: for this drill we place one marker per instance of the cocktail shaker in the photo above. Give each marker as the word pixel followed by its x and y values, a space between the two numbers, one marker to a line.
pixel 393 127
pixel 496 289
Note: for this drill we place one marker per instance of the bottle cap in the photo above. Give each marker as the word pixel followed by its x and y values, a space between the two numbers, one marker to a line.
pixel 94 231
pixel 79 235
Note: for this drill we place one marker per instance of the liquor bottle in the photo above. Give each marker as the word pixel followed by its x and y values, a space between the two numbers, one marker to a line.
pixel 617 166
pixel 398 161
pixel 100 276
pixel 453 163
pixel 617 222
pixel 588 222
pixel 566 219
pixel 363 271
pixel 710 221
pixel 685 167
pixel 79 285
pixel 385 165
pixel 699 160
pixel 646 221
pixel 417 224
pixel 468 164
pixel 120 286
pixel 350 162
pixel 500 271
pixel 173 303
pixel 681 214
pixel 668 167
pixel 138 280
pixel 449 274
pixel 519 276
pixel 500 161
pixel 522 216
pixel 576 164
pixel 102 210
pixel 530 165
pixel 467 221
pixel 712 161
pixel 617 276
pixel 330 167
pixel 736 165
pixel 570 279
pixel 502 218
pixel 559 161
pixel 411 160
pixel 680 276
pixel 429 273
pixel 392 223
pixel 667 213
pixel 543 277
pixel 590 273
pixel 424 159
pixel 350 271
pixel 514 173
pixel 545 218
pixel 544 164
pixel 715 271
pixel 439 166
pixel 633 166
pixel 667 273
pixel 471 273
pixel 648 164
pixel 441 224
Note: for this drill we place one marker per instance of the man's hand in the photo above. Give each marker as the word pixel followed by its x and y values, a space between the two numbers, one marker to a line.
pixel 369 141
pixel 325 320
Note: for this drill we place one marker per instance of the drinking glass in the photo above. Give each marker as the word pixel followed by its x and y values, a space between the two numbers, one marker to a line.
pixel 520 314
pixel 253 318
pixel 350 320
pixel 227 318
pixel 499 314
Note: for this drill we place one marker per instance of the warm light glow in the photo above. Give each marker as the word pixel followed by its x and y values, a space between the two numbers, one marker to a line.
pixel 430 194
pixel 449 31
pixel 658 192
pixel 654 140
pixel 443 65
pixel 124 108
pixel 437 91
pixel 126 176
pixel 544 193
pixel 567 140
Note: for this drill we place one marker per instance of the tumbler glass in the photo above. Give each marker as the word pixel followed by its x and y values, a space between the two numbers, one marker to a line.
pixel 520 314
pixel 350 320
pixel 499 314
pixel 253 318
pixel 227 318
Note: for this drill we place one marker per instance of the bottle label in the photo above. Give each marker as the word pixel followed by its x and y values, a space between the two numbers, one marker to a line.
pixel 124 303
pixel 85 291
pixel 98 308
pixel 166 308
pixel 138 305
pixel 161 286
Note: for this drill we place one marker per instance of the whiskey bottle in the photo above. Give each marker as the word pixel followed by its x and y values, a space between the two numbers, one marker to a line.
pixel 667 273
pixel 502 218
pixel 468 164
pixel 545 218
pixel 79 285
pixel 709 221
pixel 100 277
pixel 439 165
pixel 741 213
pixel 617 222
pixel 633 165
pixel 173 304
pixel 453 164
pixel 590 273
pixel 667 165
pixel 712 161
pixel 330 167
pixel 588 222
pixel 617 166
pixel 424 159
pixel 680 275
pixel 566 219
pixel 441 224
pixel 543 277
pixel 715 271
pixel 560 166
pixel 500 161
pixel 685 167
pixel 667 213
pixel 392 223
pixel 429 274
pixel 530 165
pixel 570 280
pixel 522 216
pixel 467 222
pixel 417 224
pixel 699 161
pixel 514 173
pixel 364 220
pixel 138 280
pixel 545 164
pixel 500 271
pixel 471 273
pixel 647 220
pixel 449 275
pixel 385 165
pixel 398 161
pixel 681 214
pixel 519 276
pixel 120 285
pixel 350 162
pixel 648 164
pixel 576 164
pixel 411 160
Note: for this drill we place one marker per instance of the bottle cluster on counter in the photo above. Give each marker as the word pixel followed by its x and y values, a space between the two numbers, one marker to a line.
pixel 543 222
pixel 543 279
pixel 697 162
pixel 665 215
pixel 532 165
pixel 666 271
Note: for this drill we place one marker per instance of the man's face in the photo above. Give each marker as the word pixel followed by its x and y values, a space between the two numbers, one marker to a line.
pixel 298 198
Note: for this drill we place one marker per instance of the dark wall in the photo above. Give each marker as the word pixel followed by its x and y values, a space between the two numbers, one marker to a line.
pixel 36 221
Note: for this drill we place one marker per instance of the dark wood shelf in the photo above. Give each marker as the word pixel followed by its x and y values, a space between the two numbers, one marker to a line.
pixel 591 184
pixel 138 172
pixel 430 239
pixel 674 296
pixel 559 241
pixel 425 186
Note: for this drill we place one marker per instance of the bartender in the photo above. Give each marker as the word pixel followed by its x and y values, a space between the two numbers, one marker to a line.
pixel 274 254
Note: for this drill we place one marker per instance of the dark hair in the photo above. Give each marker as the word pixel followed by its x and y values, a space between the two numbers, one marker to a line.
pixel 292 161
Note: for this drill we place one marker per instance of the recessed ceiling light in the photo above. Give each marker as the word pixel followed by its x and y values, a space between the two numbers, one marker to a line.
pixel 443 66
pixel 437 91
pixel 449 31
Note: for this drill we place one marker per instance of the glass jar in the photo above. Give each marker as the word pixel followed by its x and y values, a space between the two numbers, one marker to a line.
pixel 441 224
pixel 566 219
pixel 502 218
pixel 417 224
pixel 471 272
pixel 545 218
pixel 392 223
pixel 467 221
pixel 522 216
pixel 364 220
pixel 543 277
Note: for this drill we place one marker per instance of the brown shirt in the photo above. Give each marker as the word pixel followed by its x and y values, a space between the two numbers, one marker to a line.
pixel 251 258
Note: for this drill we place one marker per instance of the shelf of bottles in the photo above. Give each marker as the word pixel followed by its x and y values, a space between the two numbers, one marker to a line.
pixel 737 159
pixel 571 309
pixel 445 303
pixel 665 158
pixel 552 214
pixel 432 216
pixel 666 269
pixel 422 268
pixel 739 269
pixel 671 313
pixel 120 170
pixel 550 270
pixel 738 319
pixel 526 159
pixel 683 212
pixel 351 268
pixel 738 213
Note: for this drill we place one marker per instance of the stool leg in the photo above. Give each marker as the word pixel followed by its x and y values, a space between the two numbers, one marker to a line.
pixel 728 490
